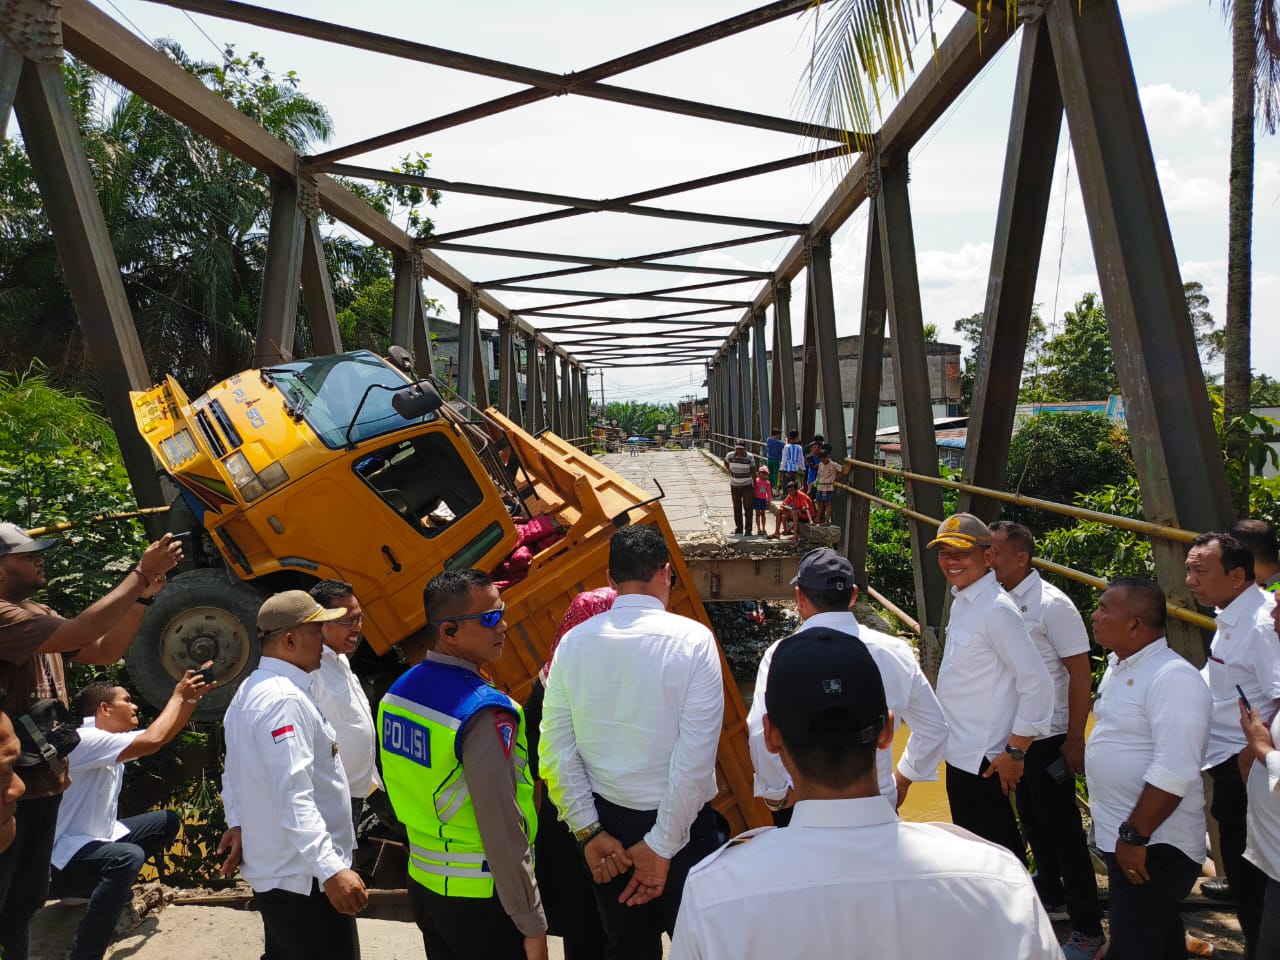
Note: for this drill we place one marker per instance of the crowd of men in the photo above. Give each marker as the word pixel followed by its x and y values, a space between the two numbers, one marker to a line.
pixel 626 723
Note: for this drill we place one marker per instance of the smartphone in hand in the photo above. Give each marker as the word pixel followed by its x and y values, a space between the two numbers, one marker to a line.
pixel 1243 698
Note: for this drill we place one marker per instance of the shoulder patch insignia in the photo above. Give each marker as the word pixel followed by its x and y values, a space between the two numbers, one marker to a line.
pixel 280 734
pixel 505 727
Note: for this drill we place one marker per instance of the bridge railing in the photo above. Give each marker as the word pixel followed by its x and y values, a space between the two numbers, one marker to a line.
pixel 1064 509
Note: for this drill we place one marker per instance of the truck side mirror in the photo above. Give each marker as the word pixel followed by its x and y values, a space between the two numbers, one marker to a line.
pixel 401 358
pixel 417 400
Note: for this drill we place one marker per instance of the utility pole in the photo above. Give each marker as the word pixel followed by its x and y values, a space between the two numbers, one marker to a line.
pixel 602 411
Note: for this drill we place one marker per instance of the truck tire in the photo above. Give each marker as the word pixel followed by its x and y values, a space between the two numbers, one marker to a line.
pixel 201 615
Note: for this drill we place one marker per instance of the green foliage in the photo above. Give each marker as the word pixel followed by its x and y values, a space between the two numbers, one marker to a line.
pixel 641 419
pixel 1264 391
pixel 1057 456
pixel 1078 363
pixel 971 327
pixel 59 461
pixel 1258 453
pixel 889 557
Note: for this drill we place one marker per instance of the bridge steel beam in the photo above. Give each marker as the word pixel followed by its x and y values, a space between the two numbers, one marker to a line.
pixel 784 368
pixel 1015 260
pixel 911 386
pixel 762 412
pixel 10 71
pixel 281 276
pixel 317 293
pixel 566 398
pixel 809 366
pixel 1176 450
pixel 745 386
pixel 535 420
pixel 824 316
pixel 468 322
pixel 866 409
pixel 409 326
pixel 506 368
pixel 734 374
pixel 553 394
pixel 51 136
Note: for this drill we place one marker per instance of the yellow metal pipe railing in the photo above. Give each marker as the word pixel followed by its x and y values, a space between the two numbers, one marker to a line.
pixel 103 518
pixel 1078 513
pixel 1180 613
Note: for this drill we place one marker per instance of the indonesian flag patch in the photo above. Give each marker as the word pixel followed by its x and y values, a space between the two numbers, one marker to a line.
pixel 280 734
pixel 505 727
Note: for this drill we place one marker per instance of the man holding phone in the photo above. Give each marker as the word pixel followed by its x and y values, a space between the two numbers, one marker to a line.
pixel 96 855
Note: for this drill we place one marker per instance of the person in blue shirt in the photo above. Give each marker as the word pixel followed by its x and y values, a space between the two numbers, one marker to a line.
pixel 792 460
pixel 773 453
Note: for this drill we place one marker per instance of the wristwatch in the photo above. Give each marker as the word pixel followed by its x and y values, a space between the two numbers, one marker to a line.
pixel 1127 834
pixel 1018 755
pixel 586 834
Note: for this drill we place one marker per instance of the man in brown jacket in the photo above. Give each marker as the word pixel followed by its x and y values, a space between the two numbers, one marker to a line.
pixel 33 641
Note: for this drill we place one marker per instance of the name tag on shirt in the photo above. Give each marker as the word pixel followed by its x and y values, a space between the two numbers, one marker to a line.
pixel 407 739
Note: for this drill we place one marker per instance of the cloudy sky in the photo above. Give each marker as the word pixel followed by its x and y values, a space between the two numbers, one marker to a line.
pixel 573 145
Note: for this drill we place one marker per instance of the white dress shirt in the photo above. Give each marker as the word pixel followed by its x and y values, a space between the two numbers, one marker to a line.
pixel 992 683
pixel 847 878
pixel 633 711
pixel 342 702
pixel 283 783
pixel 1057 629
pixel 1151 721
pixel 1263 846
pixel 907 693
pixel 90 807
pixel 1245 652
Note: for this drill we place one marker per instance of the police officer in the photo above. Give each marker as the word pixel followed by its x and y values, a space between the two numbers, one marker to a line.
pixel 455 764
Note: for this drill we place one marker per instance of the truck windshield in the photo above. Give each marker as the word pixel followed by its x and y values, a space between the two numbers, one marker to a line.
pixel 325 392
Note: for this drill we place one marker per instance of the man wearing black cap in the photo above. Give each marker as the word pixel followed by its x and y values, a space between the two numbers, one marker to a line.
pixel 825 594
pixel 33 641
pixel 993 687
pixel 848 871
pixel 742 477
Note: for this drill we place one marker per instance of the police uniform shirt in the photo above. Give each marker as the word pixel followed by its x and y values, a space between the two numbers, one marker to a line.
pixel 1057 629
pixel 992 683
pixel 1151 720
pixel 342 702
pixel 848 878
pixel 1244 652
pixel 907 693
pixel 283 784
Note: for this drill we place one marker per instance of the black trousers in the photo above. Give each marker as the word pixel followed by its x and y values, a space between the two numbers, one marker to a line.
pixel 464 928
pixel 980 805
pixel 305 926
pixel 1269 933
pixel 1145 922
pixel 24 872
pixel 1248 883
pixel 635 933
pixel 1051 823
pixel 743 507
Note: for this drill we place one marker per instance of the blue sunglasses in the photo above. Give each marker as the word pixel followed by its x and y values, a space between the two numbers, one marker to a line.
pixel 490 618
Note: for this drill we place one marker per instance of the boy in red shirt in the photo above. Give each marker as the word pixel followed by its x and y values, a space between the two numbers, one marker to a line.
pixel 763 494
pixel 796 509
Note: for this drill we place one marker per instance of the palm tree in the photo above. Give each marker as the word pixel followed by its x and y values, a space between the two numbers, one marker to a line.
pixel 1255 95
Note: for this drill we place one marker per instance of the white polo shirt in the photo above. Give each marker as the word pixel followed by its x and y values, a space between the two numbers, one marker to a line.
pixel 1057 629
pixel 633 711
pixel 1244 651
pixel 1151 721
pixel 283 783
pixel 907 693
pixel 342 702
pixel 847 878
pixel 90 807
pixel 992 683
pixel 1263 847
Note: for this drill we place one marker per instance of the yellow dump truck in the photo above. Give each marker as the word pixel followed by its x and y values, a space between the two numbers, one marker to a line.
pixel 348 467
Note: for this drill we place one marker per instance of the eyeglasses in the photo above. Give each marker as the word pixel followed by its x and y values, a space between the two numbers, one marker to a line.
pixel 351 624
pixel 490 618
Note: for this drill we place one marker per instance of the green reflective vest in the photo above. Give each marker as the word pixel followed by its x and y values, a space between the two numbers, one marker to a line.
pixel 418 724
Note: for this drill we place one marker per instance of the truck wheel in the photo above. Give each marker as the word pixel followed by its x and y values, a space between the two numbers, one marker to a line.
pixel 201 615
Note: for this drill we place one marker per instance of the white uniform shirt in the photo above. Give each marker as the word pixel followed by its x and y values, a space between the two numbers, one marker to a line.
pixel 906 692
pixel 1057 629
pixel 1151 721
pixel 992 683
pixel 1245 652
pixel 848 878
pixel 90 806
pixel 342 702
pixel 1263 847
pixel 283 784
pixel 633 711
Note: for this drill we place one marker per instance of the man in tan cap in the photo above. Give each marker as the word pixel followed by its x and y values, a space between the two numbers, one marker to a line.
pixel 993 687
pixel 285 793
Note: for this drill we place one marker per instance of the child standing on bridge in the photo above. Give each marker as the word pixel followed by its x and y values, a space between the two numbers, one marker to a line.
pixel 824 483
pixel 764 493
